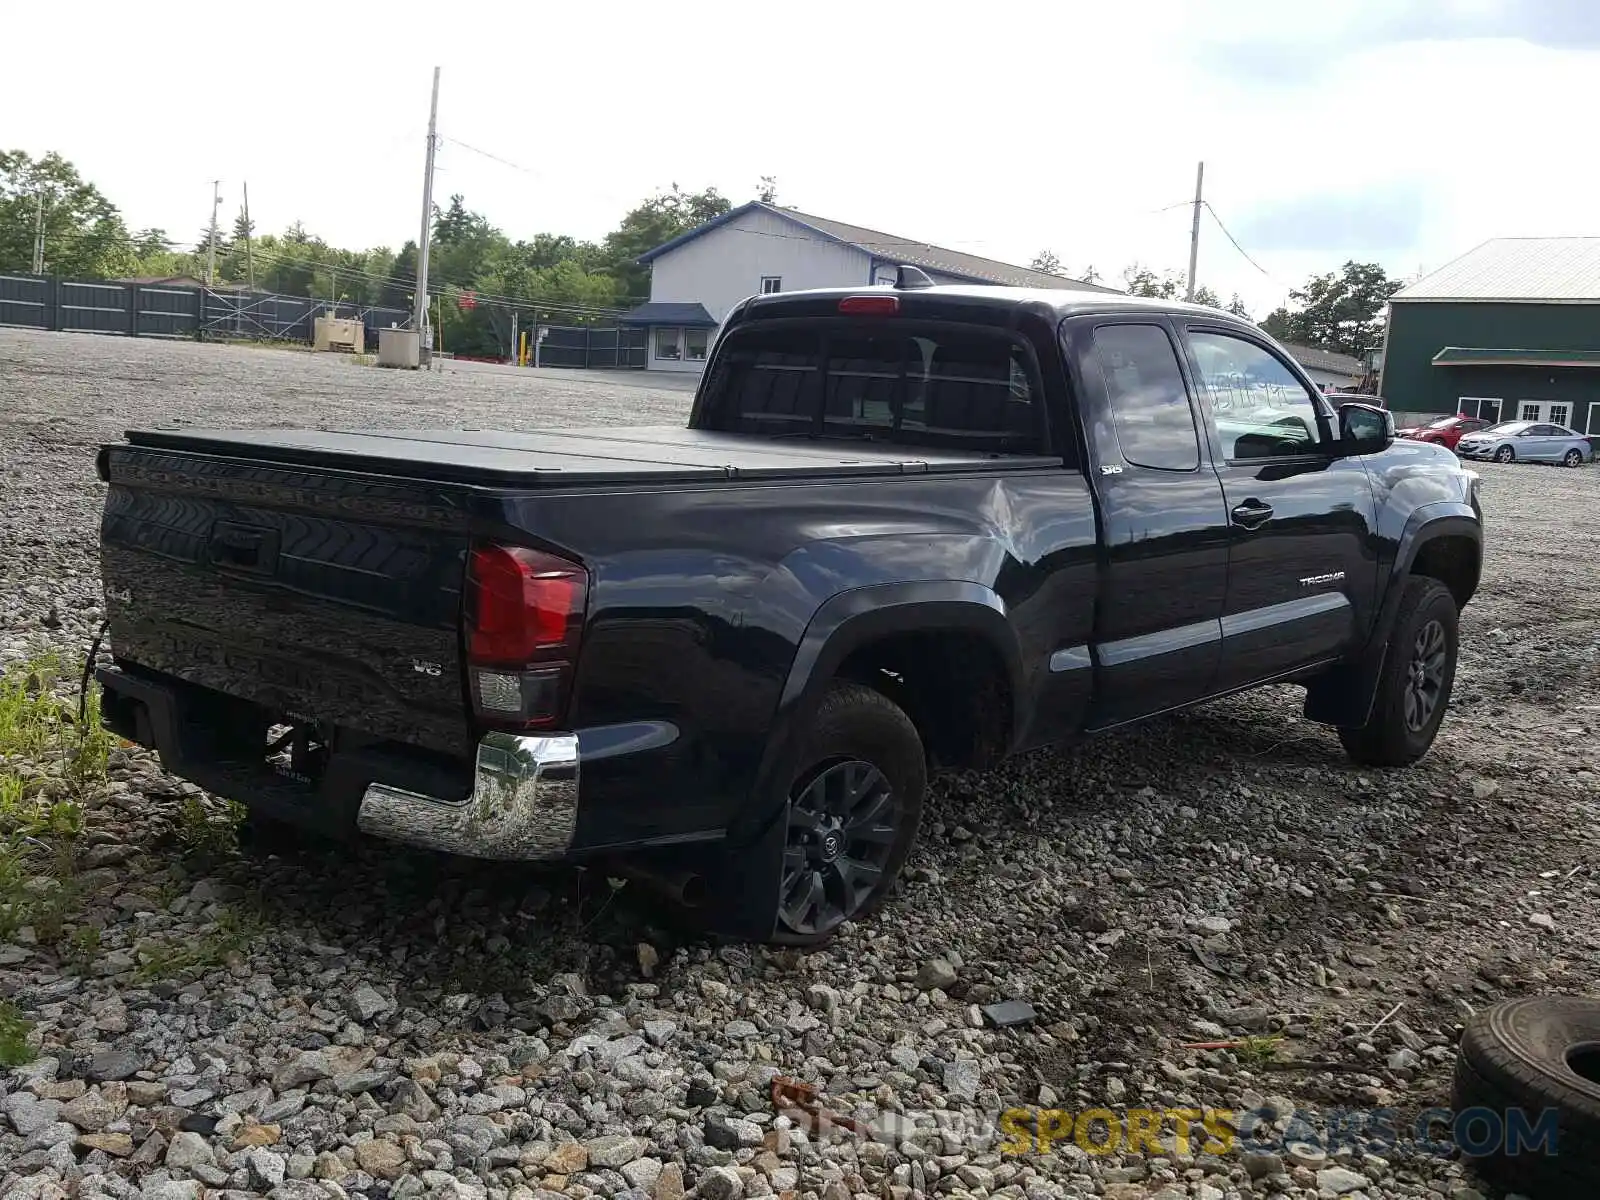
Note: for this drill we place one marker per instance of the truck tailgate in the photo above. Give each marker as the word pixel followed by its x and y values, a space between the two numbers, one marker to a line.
pixel 321 595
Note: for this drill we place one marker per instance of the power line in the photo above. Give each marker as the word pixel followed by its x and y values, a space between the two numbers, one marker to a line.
pixel 505 162
pixel 1236 245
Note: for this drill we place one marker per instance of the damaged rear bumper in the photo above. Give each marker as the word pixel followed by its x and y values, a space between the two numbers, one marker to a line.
pixel 523 804
pixel 519 803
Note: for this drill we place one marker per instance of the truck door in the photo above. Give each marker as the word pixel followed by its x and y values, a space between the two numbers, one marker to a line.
pixel 1301 568
pixel 1164 541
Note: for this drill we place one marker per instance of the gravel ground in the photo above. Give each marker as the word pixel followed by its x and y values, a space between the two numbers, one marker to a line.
pixel 328 1022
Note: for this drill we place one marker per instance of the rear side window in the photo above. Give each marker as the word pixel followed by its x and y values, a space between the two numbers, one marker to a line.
pixel 955 389
pixel 1149 404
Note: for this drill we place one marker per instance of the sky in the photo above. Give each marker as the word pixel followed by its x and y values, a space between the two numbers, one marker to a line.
pixel 1402 132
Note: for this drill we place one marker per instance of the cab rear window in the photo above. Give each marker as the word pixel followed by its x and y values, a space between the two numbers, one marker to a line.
pixel 936 386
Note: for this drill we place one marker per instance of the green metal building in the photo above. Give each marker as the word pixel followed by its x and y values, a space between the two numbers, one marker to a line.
pixel 1508 331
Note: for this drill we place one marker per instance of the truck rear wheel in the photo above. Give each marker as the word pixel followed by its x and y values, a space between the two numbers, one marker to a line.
pixel 853 810
pixel 1419 668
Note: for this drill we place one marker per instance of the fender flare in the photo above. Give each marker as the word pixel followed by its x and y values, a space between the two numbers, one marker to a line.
pixel 1443 518
pixel 846 622
pixel 1345 695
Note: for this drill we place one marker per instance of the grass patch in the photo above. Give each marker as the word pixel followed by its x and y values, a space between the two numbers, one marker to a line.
pixel 15 1049
pixel 37 725
pixel 1258 1049
pixel 50 763
pixel 82 949
pixel 207 836
pixel 236 930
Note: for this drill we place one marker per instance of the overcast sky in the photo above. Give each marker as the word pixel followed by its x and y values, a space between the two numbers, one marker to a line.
pixel 1402 132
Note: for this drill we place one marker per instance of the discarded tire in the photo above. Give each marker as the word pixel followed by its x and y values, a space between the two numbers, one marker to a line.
pixel 1527 1096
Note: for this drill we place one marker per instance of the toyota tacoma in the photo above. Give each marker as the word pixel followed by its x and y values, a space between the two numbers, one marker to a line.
pixel 906 527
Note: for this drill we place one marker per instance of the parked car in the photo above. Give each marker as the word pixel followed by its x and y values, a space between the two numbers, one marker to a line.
pixel 1446 431
pixel 905 528
pixel 1529 441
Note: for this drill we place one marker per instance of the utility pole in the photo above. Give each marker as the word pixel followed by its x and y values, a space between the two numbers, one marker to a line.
pixel 1194 230
pixel 420 316
pixel 211 255
pixel 38 234
pixel 249 259
pixel 514 358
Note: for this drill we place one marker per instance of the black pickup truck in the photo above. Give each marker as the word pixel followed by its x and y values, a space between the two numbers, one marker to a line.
pixel 906 527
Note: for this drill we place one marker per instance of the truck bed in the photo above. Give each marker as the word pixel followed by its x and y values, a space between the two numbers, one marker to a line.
pixel 566 457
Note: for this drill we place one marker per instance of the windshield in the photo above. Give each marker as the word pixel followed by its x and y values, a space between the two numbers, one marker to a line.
pixel 1509 427
pixel 1443 422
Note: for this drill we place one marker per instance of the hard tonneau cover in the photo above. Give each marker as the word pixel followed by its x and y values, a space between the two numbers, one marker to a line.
pixel 565 457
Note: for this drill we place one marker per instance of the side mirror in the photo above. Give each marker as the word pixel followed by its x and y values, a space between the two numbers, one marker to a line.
pixel 1365 429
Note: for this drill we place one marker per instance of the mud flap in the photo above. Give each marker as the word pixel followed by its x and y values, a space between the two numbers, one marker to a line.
pixel 742 884
pixel 1343 697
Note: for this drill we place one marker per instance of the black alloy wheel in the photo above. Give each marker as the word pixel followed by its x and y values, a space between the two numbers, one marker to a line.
pixel 1425 676
pixel 852 813
pixel 842 827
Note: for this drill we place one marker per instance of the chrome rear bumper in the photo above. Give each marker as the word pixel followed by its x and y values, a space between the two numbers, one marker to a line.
pixel 523 806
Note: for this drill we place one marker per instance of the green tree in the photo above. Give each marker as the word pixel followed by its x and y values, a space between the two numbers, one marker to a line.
pixel 233 265
pixel 1140 280
pixel 1171 285
pixel 1341 311
pixel 399 290
pixel 84 234
pixel 155 254
pixel 659 219
pixel 1048 262
pixel 767 192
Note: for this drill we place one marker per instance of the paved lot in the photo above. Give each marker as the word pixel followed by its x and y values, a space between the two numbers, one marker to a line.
pixel 1225 871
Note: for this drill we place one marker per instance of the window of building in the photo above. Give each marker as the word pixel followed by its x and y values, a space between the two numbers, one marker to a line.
pixel 668 339
pixel 1486 407
pixel 694 344
pixel 770 284
pixel 1528 410
pixel 1149 403
pixel 1559 414
pixel 961 389
pixel 1593 427
pixel 1262 409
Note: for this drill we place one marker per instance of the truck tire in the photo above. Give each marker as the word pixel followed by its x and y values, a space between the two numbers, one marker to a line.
pixel 1519 1062
pixel 853 810
pixel 1419 667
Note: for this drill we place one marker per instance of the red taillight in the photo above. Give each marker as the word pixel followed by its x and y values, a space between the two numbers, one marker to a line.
pixel 870 306
pixel 521 604
pixel 524 619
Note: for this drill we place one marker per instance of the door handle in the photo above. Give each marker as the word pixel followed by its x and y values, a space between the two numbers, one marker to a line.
pixel 1252 514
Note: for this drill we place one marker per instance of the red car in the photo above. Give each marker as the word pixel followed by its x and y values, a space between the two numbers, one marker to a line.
pixel 1446 431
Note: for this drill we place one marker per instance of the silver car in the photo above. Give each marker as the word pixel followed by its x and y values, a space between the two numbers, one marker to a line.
pixel 1529 441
